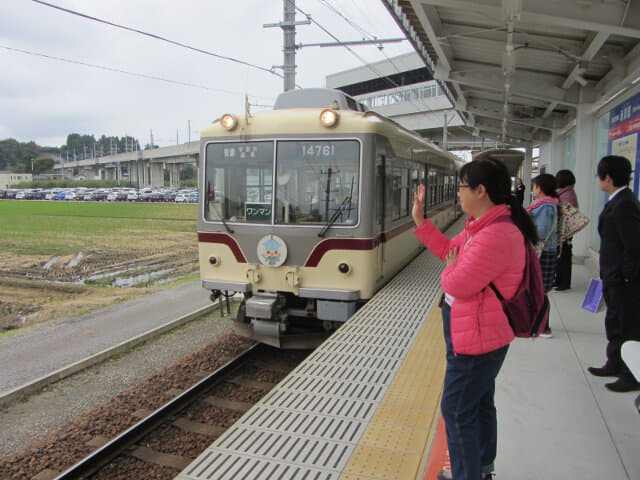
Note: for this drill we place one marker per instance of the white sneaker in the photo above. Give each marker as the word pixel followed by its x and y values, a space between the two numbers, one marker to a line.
pixel 546 334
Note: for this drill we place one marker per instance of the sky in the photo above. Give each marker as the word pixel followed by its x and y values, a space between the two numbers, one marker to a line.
pixel 43 99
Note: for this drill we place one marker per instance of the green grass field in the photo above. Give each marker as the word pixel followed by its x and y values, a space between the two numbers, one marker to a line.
pixel 64 228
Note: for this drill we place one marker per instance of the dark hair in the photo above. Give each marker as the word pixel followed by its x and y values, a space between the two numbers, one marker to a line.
pixel 564 178
pixel 493 174
pixel 618 168
pixel 547 184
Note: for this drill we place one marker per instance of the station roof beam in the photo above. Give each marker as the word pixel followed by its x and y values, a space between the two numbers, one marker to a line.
pixel 524 65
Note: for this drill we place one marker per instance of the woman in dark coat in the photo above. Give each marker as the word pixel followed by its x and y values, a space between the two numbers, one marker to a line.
pixel 565 181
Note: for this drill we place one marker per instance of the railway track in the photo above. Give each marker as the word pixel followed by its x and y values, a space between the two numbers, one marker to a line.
pixel 158 426
pixel 167 440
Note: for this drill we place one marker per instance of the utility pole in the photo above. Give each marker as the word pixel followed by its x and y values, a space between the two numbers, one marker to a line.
pixel 189 130
pixel 444 129
pixel 288 26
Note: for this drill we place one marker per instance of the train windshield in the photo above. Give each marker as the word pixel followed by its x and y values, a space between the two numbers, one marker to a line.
pixel 239 182
pixel 317 182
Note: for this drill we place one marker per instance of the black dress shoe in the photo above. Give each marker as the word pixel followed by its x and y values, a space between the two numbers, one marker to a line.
pixel 604 371
pixel 623 384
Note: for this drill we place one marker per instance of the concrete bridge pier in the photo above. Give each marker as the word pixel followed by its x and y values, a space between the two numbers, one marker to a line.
pixel 156 176
pixel 174 175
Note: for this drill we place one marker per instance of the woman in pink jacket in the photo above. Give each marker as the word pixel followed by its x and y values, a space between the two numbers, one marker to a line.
pixel 477 333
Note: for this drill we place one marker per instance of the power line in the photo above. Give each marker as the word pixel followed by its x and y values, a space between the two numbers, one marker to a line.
pixel 369 66
pixel 117 70
pixel 158 37
pixel 364 62
pixel 357 27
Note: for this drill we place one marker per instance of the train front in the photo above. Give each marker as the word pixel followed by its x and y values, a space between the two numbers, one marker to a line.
pixel 280 222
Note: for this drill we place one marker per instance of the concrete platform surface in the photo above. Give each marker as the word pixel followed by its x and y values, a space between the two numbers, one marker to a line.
pixel 556 420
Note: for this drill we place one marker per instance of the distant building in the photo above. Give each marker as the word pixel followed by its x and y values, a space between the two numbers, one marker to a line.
pixel 403 89
pixel 10 178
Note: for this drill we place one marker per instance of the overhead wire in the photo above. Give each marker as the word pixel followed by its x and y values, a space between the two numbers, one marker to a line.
pixel 118 70
pixel 159 37
pixel 420 105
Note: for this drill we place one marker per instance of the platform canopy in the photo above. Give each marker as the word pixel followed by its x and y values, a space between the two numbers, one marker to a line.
pixel 511 158
pixel 516 69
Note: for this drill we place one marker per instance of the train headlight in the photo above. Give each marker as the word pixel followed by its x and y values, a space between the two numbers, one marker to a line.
pixel 329 118
pixel 228 121
pixel 344 268
pixel 215 261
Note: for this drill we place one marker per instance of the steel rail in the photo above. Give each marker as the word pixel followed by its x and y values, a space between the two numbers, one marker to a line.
pixel 96 460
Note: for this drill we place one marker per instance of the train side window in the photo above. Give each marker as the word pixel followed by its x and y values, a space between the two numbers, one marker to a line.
pixel 432 188
pixel 400 181
pixel 413 187
pixel 380 191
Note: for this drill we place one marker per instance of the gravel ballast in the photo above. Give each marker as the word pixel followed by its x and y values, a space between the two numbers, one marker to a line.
pixel 40 414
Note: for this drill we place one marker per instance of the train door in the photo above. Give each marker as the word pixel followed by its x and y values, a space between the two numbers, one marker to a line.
pixel 380 216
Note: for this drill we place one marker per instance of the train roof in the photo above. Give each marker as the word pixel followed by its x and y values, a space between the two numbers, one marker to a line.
pixel 317 98
pixel 298 113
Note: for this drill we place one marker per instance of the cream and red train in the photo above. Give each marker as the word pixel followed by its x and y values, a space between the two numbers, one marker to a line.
pixel 306 210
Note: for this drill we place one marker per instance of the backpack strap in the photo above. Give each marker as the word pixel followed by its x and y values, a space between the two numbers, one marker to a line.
pixel 501 219
pixel 496 291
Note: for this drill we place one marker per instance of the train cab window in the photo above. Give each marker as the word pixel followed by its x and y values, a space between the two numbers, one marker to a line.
pixel 238 182
pixel 317 181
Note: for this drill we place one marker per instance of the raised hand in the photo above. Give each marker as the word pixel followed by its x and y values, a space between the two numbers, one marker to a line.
pixel 418 205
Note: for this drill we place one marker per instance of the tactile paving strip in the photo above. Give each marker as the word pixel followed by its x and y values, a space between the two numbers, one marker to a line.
pixel 309 426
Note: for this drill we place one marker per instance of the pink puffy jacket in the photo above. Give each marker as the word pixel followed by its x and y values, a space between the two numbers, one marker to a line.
pixel 487 253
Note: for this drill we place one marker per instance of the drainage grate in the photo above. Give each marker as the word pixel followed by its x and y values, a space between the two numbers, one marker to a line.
pixel 310 424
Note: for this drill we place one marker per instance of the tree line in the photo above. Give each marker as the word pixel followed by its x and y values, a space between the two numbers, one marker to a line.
pixel 30 157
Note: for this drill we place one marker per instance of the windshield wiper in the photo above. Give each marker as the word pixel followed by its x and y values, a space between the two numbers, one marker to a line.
pixel 335 215
pixel 225 224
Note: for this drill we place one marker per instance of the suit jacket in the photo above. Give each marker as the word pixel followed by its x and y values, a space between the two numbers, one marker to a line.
pixel 619 229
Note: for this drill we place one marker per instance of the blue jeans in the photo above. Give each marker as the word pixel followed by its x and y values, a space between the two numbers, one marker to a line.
pixel 468 408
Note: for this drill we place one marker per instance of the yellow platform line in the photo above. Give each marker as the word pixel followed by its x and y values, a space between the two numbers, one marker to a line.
pixel 397 441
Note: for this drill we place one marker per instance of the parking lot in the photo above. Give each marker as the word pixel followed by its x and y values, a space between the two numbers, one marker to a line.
pixel 115 194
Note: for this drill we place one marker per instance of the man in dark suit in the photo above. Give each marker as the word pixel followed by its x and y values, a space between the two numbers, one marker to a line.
pixel 619 229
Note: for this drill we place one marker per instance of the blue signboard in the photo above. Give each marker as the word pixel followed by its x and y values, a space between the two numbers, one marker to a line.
pixel 624 130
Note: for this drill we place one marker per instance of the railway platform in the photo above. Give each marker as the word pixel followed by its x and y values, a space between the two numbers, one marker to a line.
pixel 365 405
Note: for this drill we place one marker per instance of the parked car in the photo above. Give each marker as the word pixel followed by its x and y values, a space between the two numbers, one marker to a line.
pixel 169 196
pixel 49 194
pixel 182 198
pixel 157 196
pixel 99 195
pixel 145 195
pixel 132 196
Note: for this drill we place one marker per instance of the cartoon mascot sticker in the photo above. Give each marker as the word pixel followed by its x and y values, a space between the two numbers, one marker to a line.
pixel 272 251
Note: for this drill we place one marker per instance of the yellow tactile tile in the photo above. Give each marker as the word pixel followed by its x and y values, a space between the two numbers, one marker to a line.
pixel 396 441
pixel 383 464
pixel 394 437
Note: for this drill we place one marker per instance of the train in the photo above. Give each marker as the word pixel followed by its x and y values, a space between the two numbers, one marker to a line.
pixel 305 210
